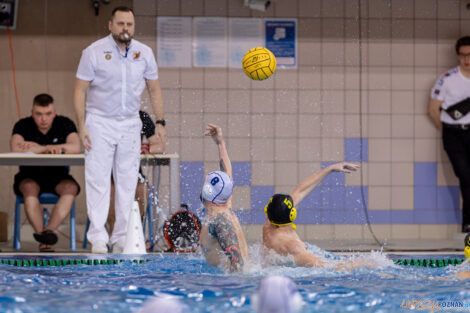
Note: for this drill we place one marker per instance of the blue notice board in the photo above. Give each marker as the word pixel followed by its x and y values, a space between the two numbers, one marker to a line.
pixel 281 39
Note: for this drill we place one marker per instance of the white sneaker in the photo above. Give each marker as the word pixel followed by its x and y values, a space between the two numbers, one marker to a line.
pixel 99 247
pixel 118 247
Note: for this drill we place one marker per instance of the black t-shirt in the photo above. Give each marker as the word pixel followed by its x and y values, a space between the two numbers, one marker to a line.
pixel 61 127
pixel 148 127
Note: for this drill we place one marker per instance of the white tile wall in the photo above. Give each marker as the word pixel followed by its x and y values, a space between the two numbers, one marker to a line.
pixel 285 173
pixel 288 125
pixel 402 126
pixel 262 101
pixel 402 150
pixel 332 101
pixel 262 173
pixel 310 125
pixel 285 125
pixel 402 197
pixel 310 101
pixel 425 150
pixel 215 78
pixel 402 102
pixel 380 102
pixel 332 149
pixel 309 149
pixel 380 174
pixel 332 126
pixel 379 126
pixel 402 174
pixel 238 101
pixel 285 150
pixel 380 150
pixel 215 101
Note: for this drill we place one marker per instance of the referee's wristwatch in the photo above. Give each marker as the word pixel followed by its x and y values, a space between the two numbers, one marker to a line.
pixel 161 122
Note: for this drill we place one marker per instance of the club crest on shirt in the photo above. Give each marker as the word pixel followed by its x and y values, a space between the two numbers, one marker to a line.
pixel 107 56
pixel 55 140
pixel 136 55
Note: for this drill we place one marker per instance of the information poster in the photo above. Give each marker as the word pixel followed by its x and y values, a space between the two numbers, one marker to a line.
pixel 281 39
pixel 244 34
pixel 210 42
pixel 174 38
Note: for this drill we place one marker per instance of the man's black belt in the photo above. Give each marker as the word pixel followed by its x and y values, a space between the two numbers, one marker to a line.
pixel 457 126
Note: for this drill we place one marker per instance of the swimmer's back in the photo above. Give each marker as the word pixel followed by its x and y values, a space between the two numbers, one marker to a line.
pixel 222 228
pixel 282 239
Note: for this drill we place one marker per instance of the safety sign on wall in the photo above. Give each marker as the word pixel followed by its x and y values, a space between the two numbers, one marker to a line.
pixel 281 39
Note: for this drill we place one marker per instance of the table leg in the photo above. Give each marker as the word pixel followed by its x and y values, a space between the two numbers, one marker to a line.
pixel 174 184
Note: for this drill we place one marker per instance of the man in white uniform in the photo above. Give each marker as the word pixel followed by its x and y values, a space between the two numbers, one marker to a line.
pixel 111 77
pixel 449 108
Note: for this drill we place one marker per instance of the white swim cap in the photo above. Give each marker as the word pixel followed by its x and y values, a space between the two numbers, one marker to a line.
pixel 217 188
pixel 164 305
pixel 277 294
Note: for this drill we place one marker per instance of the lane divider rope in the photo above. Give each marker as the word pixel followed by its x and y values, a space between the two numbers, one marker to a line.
pixel 428 262
pixel 63 262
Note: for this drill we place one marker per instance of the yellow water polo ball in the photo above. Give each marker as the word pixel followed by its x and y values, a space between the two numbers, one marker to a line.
pixel 259 63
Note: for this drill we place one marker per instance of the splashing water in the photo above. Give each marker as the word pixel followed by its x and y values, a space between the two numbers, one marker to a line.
pixel 125 287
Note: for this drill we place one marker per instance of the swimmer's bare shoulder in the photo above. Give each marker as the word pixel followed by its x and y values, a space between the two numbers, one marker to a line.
pixel 222 229
pixel 463 275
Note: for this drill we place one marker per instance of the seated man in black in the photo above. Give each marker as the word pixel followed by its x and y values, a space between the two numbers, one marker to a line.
pixel 45 132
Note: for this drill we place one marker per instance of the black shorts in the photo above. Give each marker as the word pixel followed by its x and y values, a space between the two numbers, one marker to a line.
pixel 47 183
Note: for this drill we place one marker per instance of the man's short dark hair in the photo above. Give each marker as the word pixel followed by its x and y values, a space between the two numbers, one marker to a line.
pixel 463 41
pixel 121 9
pixel 43 100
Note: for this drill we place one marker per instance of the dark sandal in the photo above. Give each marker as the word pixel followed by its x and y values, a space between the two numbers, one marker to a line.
pixel 45 248
pixel 47 237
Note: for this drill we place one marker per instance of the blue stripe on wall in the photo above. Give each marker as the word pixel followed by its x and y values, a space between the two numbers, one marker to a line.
pixel 344 205
pixel 401 217
pixel 260 196
pixel 425 197
pixel 333 197
pixel 448 198
pixel 352 149
pixel 425 174
pixel 313 200
pixel 244 216
pixel 334 203
pixel 241 173
pixel 334 178
pixel 423 216
pixel 192 178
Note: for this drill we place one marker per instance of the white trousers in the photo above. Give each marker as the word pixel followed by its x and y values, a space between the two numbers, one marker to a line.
pixel 115 146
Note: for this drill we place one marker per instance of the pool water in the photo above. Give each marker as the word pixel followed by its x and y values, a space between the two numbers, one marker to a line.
pixel 126 286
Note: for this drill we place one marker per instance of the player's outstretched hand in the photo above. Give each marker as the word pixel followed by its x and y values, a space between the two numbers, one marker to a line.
pixel 344 167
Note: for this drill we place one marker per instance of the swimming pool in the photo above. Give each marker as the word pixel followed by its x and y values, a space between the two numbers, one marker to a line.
pixel 124 287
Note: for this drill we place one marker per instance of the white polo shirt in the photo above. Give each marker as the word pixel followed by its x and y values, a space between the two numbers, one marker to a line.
pixel 117 78
pixel 450 88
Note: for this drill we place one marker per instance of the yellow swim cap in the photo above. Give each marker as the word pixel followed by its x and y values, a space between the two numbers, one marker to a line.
pixel 280 210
